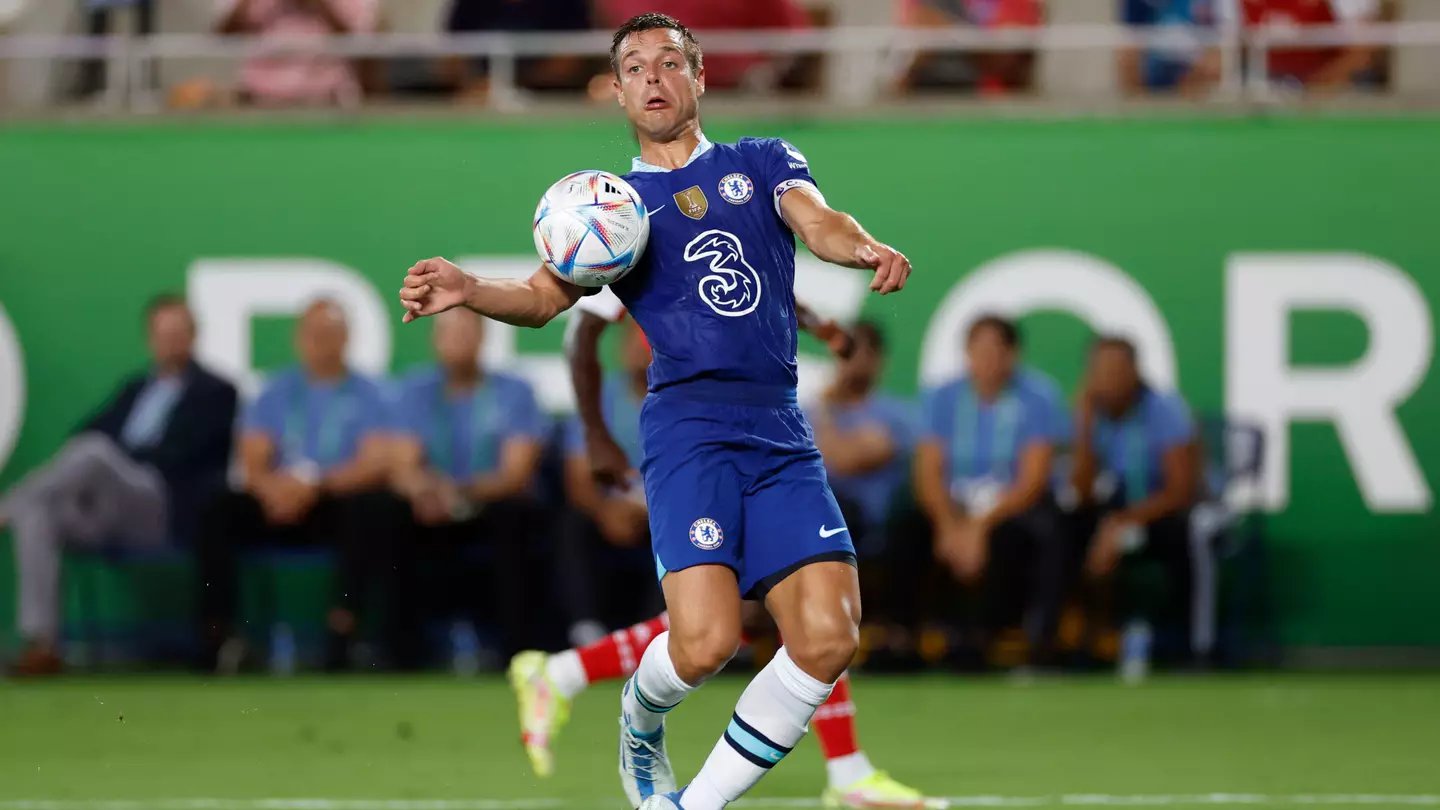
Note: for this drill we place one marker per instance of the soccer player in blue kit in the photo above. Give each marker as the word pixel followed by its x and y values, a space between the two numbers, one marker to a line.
pixel 739 504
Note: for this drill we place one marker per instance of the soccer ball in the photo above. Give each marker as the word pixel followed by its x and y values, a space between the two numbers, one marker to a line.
pixel 591 228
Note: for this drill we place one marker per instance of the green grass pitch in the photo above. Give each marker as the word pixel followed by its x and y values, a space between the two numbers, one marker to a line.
pixel 399 744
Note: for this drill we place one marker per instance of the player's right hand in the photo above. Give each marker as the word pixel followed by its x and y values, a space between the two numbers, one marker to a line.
pixel 891 267
pixel 431 287
pixel 608 463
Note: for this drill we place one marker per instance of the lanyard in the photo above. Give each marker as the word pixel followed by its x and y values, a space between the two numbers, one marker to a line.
pixel 1129 432
pixel 332 423
pixel 482 453
pixel 1006 426
pixel 1137 461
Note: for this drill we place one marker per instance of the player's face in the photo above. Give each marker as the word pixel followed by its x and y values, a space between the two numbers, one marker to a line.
pixel 1113 379
pixel 991 361
pixel 659 92
pixel 458 336
pixel 172 333
pixel 320 339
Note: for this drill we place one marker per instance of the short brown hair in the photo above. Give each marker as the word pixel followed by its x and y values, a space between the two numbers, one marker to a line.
pixel 1122 344
pixel 651 21
pixel 1005 329
pixel 162 302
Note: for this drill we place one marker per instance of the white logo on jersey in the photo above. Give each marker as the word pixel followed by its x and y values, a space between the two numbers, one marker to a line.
pixel 732 287
pixel 794 153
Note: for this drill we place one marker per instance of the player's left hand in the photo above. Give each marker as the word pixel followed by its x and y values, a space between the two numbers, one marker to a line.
pixel 891 267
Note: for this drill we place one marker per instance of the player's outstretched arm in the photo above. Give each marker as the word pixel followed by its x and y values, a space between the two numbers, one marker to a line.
pixel 837 238
pixel 436 285
pixel 608 463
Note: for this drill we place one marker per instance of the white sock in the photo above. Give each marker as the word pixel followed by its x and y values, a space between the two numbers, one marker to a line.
pixel 567 673
pixel 849 769
pixel 773 714
pixel 654 689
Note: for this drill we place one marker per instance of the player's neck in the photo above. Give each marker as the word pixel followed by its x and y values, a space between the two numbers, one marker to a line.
pixel 674 153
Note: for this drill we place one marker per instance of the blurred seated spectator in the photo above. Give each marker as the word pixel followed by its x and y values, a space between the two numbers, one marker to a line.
pixel 1136 469
pixel 465 465
pixel 98 16
pixel 1179 63
pixel 133 474
pixel 471 77
pixel 722 71
pixel 290 76
pixel 983 467
pixel 1311 67
pixel 607 527
pixel 866 437
pixel 313 451
pixel 992 72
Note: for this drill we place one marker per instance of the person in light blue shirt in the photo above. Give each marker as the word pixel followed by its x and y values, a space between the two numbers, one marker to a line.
pixel 983 468
pixel 465 463
pixel 313 457
pixel 1136 466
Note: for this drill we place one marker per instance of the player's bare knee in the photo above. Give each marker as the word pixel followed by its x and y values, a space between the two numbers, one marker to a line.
pixel 699 654
pixel 826 647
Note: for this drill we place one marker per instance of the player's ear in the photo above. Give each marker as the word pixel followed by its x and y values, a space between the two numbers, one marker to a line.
pixel 700 82
pixel 619 93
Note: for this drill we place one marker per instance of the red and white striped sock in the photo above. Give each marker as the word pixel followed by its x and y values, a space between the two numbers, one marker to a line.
pixel 834 724
pixel 610 659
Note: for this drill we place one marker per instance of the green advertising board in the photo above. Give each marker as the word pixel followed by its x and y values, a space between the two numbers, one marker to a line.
pixel 1282 271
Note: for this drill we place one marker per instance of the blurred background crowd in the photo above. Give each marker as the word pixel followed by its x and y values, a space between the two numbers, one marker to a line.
pixel 985 48
pixel 1017 513
pixel 445 500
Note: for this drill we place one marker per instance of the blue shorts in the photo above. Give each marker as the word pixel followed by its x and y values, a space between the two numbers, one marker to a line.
pixel 737 485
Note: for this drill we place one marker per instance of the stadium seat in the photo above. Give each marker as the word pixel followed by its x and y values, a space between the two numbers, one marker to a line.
pixel 102 634
pixel 1230 620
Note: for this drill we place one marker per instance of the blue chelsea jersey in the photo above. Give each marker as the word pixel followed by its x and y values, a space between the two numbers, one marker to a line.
pixel 715 290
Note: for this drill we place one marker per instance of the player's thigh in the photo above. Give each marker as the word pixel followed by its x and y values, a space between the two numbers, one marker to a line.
pixel 817 610
pixel 703 604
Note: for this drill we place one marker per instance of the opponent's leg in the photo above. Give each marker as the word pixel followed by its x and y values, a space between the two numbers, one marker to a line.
pixel 704 610
pixel 545 684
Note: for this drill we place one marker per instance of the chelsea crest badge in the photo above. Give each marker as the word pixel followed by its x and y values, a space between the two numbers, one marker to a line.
pixel 736 189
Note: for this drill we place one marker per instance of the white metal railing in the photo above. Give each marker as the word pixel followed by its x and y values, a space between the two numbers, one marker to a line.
pixel 127 57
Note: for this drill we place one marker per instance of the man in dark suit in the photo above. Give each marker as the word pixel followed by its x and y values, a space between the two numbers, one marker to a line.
pixel 132 474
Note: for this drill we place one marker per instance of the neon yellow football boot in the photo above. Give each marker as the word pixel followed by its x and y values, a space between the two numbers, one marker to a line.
pixel 879 790
pixel 543 710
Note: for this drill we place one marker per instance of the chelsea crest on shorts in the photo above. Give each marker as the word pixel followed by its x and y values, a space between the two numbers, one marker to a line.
pixel 705 534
